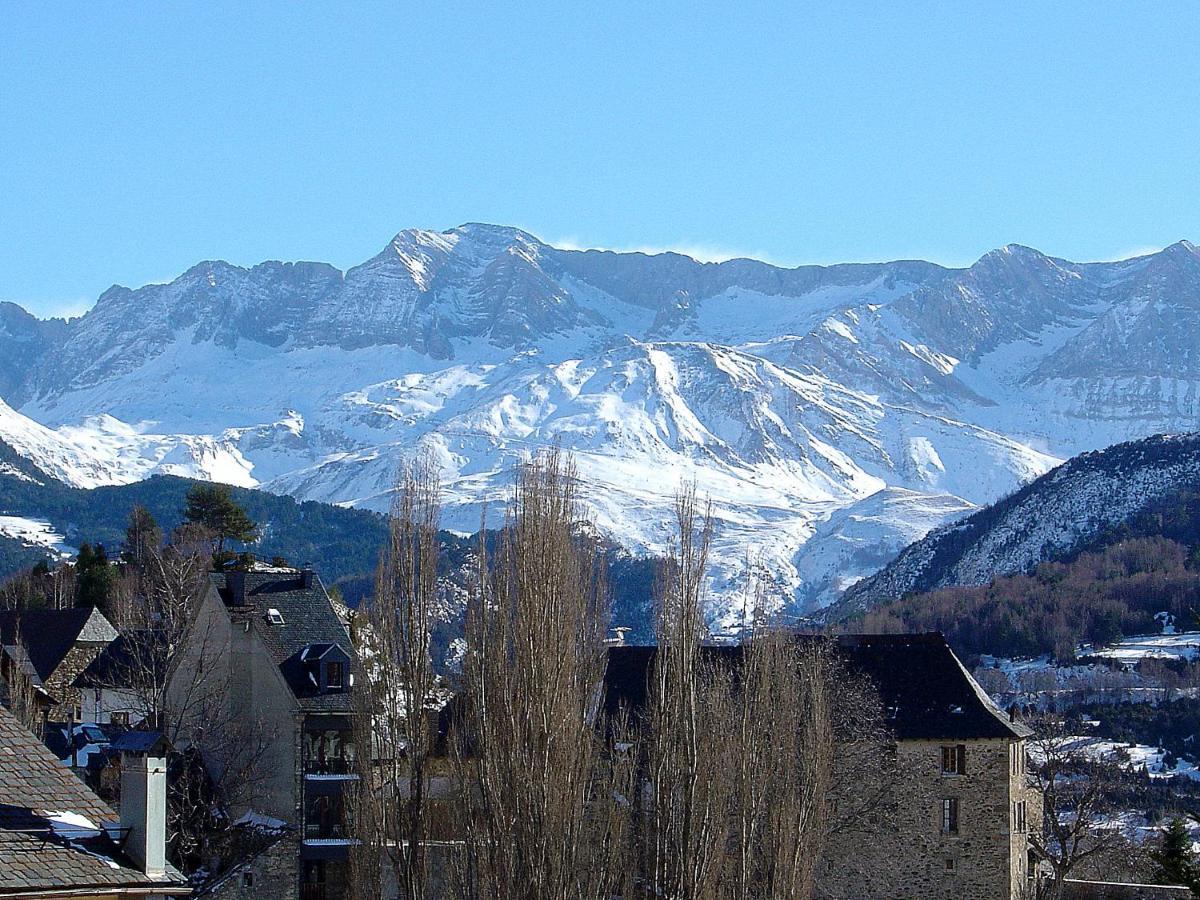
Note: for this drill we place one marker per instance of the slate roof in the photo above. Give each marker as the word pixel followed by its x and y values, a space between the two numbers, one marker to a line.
pixel 924 689
pixel 40 852
pixel 121 657
pixel 308 619
pixel 49 634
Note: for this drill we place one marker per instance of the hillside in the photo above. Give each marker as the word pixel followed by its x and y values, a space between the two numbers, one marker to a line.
pixel 832 413
pixel 1080 506
pixel 339 542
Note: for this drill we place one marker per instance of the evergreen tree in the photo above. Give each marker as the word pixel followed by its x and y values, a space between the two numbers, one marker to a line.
pixel 94 577
pixel 1175 858
pixel 142 537
pixel 213 507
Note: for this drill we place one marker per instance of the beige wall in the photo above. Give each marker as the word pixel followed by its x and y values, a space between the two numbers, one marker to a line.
pixel 250 698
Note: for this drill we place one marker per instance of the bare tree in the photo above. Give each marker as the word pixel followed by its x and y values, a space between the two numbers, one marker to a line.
pixel 544 809
pixel 688 791
pixel 784 764
pixel 395 731
pixel 1076 789
pixel 166 670
pixel 740 762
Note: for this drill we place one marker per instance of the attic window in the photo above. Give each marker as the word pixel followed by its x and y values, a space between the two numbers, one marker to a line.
pixel 274 616
pixel 334 676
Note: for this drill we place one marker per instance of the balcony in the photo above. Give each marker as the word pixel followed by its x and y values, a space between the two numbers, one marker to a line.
pixel 329 767
pixel 325 831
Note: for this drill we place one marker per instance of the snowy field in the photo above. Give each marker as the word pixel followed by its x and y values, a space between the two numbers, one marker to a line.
pixel 35 533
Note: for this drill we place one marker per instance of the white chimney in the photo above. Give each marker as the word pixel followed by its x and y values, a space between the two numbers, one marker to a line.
pixel 144 800
pixel 617 636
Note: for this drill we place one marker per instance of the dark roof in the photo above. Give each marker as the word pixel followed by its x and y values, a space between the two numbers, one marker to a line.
pixel 36 850
pixel 125 655
pixel 309 620
pixel 925 691
pixel 49 634
pixel 140 742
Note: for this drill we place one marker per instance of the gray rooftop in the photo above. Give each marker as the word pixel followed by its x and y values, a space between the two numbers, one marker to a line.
pixel 46 814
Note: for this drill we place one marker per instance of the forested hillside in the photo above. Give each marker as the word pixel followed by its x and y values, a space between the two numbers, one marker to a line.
pixel 1113 585
pixel 339 542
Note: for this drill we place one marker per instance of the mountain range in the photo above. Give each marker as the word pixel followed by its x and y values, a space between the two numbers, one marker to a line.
pixel 833 414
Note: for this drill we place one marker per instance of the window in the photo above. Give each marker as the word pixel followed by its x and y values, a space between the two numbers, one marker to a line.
pixel 949 865
pixel 247 879
pixel 334 676
pixel 1018 758
pixel 274 616
pixel 119 718
pixel 950 816
pixel 1020 825
pixel 954 760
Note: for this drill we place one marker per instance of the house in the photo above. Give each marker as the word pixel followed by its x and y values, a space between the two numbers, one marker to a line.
pixel 283 658
pixel 105 694
pixel 58 839
pixel 57 645
pixel 956 820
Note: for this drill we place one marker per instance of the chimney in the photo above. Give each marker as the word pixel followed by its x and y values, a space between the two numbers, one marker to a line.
pixel 236 583
pixel 307 575
pixel 618 636
pixel 144 799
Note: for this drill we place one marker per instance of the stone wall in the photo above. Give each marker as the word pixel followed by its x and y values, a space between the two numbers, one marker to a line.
pixel 273 874
pixel 898 849
pixel 61 683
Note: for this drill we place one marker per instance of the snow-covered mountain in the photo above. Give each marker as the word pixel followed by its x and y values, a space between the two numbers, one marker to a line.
pixel 1050 519
pixel 833 413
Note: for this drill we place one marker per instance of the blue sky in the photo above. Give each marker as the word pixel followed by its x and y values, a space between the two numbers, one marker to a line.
pixel 138 139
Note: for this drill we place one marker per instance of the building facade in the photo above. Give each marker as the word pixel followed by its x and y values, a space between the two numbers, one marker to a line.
pixel 274 647
pixel 952 811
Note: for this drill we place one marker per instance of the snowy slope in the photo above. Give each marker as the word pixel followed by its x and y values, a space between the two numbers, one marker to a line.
pixel 1047 520
pixel 832 413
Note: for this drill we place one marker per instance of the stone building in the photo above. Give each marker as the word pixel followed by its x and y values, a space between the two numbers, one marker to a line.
pixel 271 870
pixel 955 818
pixel 52 647
pixel 275 647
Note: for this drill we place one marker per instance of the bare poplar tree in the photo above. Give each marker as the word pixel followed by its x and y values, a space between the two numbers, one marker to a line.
pixel 684 826
pixel 544 810
pixel 739 762
pixel 395 731
pixel 22 695
pixel 784 764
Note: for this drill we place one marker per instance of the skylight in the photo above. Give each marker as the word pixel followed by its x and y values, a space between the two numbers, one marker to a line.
pixel 274 616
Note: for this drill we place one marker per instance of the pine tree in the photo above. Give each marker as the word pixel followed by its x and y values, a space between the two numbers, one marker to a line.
pixel 1175 858
pixel 142 537
pixel 213 507
pixel 94 577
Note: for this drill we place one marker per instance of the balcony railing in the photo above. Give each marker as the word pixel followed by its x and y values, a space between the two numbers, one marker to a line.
pixel 329 766
pixel 312 892
pixel 325 831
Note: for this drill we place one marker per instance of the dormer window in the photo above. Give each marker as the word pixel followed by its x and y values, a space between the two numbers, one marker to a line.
pixel 334 676
pixel 274 616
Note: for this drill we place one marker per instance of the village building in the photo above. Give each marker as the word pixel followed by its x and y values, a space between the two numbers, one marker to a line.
pixel 58 839
pixel 956 819
pixel 51 648
pixel 283 659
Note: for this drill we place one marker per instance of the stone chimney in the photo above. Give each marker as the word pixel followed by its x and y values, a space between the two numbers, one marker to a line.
pixel 144 799
pixel 236 584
